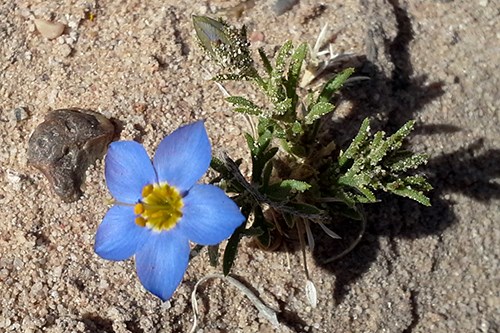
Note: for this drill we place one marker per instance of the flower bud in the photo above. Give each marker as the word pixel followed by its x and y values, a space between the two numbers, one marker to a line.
pixel 226 45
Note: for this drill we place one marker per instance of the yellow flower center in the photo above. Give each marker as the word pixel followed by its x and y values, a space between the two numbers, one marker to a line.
pixel 160 207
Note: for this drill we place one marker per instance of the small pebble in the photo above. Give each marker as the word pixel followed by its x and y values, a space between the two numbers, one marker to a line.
pixel 20 114
pixel 48 29
pixel 256 36
pixel 282 6
pixel 65 50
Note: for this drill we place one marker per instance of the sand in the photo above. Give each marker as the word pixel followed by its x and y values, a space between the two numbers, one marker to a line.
pixel 417 269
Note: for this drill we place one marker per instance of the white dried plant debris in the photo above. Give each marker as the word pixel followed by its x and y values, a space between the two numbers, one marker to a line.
pixel 321 59
pixel 311 293
pixel 328 231
pixel 14 178
pixel 264 310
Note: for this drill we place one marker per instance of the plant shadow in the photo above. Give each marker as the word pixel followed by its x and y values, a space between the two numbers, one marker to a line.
pixel 394 100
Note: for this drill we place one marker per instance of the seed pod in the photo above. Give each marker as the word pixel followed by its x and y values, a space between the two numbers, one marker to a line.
pixel 210 32
pixel 225 45
pixel 64 146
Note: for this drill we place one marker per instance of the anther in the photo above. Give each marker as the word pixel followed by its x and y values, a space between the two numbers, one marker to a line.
pixel 160 207
pixel 140 221
pixel 147 190
pixel 138 209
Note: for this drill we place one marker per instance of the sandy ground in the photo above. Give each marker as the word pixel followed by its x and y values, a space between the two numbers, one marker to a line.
pixel 417 269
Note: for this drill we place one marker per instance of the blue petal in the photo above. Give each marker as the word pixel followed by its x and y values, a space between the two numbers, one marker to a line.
pixel 118 237
pixel 183 156
pixel 161 262
pixel 209 215
pixel 128 169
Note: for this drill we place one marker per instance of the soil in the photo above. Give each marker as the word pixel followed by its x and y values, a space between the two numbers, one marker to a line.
pixel 417 269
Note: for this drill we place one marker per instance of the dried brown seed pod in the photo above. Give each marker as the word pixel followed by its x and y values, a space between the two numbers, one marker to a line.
pixel 65 144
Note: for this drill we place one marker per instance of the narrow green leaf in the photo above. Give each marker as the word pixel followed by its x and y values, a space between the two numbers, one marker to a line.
pixel 359 198
pixel 252 231
pixel 263 142
pixel 260 221
pixel 282 107
pixel 345 197
pixel 213 255
pixel 275 85
pixel 356 144
pixel 229 77
pixel 252 112
pixel 317 111
pixel 265 61
pixel 218 165
pixel 242 101
pixel 410 193
pixel 264 125
pixel 395 141
pixel 295 185
pixel 277 193
pixel 251 143
pixel 367 193
pixel 418 182
pixel 243 105
pixel 297 128
pixel 296 65
pixel 259 163
pixel 378 148
pixel 294 71
pixel 407 163
pixel 334 85
pixel 266 175
pixel 231 249
pixel 269 154
pixel 304 208
pixel 298 150
pixel 356 180
pixel 283 54
pixel 309 99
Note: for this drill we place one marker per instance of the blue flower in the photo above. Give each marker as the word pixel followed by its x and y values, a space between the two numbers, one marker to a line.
pixel 159 207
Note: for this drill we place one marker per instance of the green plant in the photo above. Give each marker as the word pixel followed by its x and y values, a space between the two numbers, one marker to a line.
pixel 296 178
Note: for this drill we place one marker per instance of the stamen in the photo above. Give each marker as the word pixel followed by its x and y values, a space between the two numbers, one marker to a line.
pixel 140 221
pixel 138 209
pixel 146 191
pixel 160 207
pixel 157 215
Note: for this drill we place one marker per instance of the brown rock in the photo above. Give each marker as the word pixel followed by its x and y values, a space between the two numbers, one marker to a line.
pixel 65 144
